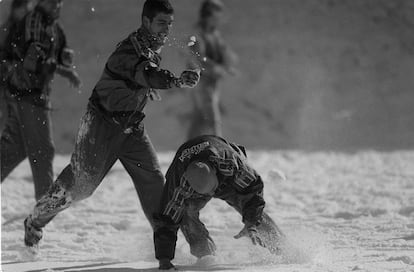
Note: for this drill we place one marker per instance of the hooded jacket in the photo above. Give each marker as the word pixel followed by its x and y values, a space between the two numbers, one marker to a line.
pixel 238 183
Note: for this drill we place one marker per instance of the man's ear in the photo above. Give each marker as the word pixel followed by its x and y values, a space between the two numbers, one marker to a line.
pixel 146 22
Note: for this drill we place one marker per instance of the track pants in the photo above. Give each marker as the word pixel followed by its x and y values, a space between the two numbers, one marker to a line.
pixel 28 133
pixel 99 145
pixel 3 108
pixel 206 117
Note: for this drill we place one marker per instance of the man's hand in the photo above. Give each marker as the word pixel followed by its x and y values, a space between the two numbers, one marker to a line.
pixel 67 56
pixel 188 79
pixel 74 80
pixel 165 264
pixel 253 234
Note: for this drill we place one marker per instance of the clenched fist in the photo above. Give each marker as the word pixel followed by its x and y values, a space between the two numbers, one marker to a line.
pixel 188 79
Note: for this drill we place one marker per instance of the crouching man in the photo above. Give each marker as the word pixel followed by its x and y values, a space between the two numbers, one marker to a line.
pixel 206 167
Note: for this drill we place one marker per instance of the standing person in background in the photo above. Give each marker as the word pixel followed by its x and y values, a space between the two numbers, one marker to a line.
pixel 112 127
pixel 18 9
pixel 34 51
pixel 215 58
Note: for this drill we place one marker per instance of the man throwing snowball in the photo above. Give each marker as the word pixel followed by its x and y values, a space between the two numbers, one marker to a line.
pixel 206 167
pixel 112 128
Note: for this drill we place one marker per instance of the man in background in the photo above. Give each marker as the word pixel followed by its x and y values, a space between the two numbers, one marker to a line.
pixel 18 9
pixel 34 51
pixel 215 59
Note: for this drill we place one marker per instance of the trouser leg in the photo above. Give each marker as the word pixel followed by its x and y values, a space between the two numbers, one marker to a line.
pixel 196 122
pixel 12 148
pixel 140 160
pixel 206 116
pixel 37 136
pixel 195 232
pixel 91 160
pixel 3 107
pixel 215 113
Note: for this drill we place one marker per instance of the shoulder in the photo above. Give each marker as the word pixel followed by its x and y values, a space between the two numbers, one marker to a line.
pixel 33 17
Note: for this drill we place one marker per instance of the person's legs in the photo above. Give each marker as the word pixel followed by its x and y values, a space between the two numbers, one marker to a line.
pixel 3 107
pixel 215 112
pixel 140 160
pixel 196 122
pixel 12 149
pixel 206 118
pixel 37 135
pixel 195 232
pixel 91 160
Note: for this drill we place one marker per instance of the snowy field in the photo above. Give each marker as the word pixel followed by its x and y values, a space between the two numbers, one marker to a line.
pixel 341 212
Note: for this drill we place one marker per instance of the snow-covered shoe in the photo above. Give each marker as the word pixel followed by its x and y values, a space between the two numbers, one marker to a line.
pixel 32 235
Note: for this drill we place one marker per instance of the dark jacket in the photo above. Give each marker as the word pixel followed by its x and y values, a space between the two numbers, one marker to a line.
pixel 238 182
pixel 34 49
pixel 130 75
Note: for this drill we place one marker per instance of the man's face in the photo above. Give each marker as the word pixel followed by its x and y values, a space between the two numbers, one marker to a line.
pixel 160 27
pixel 52 7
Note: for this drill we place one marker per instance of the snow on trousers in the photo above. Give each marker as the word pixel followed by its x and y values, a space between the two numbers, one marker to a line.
pixel 99 145
pixel 27 133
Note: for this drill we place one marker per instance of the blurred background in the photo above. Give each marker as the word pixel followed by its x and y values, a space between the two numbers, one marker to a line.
pixel 313 74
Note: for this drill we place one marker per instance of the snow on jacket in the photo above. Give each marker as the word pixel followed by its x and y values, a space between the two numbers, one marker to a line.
pixel 130 75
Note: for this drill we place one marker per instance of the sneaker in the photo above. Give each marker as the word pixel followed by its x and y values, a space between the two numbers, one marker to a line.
pixel 32 235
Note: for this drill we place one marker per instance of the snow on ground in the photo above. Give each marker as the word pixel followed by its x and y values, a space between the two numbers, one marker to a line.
pixel 342 212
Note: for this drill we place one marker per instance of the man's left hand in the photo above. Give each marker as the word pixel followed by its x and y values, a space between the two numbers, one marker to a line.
pixel 253 234
pixel 75 80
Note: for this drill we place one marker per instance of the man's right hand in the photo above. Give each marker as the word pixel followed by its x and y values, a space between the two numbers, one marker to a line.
pixel 165 264
pixel 188 79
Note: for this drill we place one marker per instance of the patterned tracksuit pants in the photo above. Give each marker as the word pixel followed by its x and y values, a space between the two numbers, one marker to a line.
pixel 99 145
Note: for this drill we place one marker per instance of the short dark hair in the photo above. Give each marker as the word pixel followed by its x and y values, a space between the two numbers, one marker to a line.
pixel 153 7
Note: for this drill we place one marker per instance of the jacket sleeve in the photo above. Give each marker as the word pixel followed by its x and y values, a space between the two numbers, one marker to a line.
pixel 252 209
pixel 249 185
pixel 125 64
pixel 168 218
